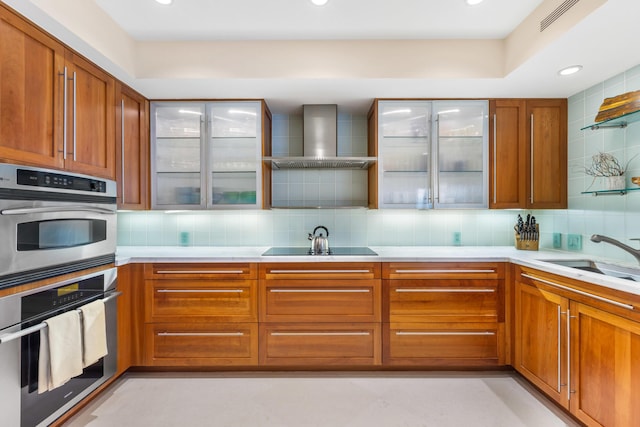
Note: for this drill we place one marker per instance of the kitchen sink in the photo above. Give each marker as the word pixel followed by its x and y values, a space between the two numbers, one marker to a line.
pixel 604 268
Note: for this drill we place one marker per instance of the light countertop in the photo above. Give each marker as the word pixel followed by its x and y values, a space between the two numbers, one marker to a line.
pixel 534 259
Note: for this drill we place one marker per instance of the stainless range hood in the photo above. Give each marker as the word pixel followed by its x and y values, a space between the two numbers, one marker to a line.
pixel 320 143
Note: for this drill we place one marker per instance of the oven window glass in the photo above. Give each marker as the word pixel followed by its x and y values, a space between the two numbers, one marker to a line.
pixel 63 233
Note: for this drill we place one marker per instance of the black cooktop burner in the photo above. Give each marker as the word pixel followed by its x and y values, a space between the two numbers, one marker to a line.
pixel 302 251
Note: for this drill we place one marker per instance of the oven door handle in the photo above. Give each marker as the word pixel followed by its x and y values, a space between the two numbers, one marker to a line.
pixel 56 209
pixel 21 333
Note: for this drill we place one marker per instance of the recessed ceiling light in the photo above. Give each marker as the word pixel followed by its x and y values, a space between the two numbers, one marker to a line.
pixel 319 2
pixel 473 2
pixel 567 71
pixel 165 2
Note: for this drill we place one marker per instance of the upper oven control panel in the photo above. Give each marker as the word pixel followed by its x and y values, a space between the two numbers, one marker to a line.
pixel 20 178
pixel 55 180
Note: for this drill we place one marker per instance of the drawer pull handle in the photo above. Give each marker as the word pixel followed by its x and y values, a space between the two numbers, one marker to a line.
pixel 587 294
pixel 319 334
pixel 484 333
pixel 461 290
pixel 213 291
pixel 442 271
pixel 320 291
pixel 200 334
pixel 317 271
pixel 199 272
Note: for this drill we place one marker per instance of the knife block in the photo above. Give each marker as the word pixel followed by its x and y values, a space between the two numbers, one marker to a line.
pixel 528 245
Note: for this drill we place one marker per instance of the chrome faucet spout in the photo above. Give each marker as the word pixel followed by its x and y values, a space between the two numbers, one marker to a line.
pixel 597 238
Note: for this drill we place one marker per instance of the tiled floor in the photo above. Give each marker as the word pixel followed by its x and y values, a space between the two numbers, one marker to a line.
pixel 405 399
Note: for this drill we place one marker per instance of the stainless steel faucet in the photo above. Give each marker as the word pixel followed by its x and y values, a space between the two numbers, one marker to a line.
pixel 597 238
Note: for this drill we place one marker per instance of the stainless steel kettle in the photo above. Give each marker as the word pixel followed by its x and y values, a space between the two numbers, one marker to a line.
pixel 320 243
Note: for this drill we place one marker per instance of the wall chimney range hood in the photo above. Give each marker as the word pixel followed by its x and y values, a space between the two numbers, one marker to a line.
pixel 320 143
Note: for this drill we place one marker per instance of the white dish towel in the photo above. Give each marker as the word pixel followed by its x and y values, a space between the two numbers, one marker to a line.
pixel 94 333
pixel 60 357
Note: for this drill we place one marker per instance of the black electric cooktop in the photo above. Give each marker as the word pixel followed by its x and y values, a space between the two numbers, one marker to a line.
pixel 302 251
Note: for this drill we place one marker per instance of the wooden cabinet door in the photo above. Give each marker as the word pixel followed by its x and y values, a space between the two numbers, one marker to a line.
pixel 547 147
pixel 31 66
pixel 90 118
pixel 605 374
pixel 507 154
pixel 541 340
pixel 132 148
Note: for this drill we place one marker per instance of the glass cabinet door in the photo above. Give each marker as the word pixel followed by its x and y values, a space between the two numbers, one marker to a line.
pixel 404 167
pixel 234 154
pixel 461 160
pixel 176 169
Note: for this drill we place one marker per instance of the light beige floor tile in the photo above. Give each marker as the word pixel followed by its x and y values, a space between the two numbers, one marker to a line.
pixel 320 400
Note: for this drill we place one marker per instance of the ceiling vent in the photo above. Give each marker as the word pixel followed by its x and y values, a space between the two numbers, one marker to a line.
pixel 557 13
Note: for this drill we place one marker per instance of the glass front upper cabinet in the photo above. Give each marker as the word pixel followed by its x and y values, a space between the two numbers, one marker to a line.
pixel 432 154
pixel 461 134
pixel 404 145
pixel 206 155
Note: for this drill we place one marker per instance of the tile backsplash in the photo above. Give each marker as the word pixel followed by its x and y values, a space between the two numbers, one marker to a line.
pixel 301 187
pixel 615 216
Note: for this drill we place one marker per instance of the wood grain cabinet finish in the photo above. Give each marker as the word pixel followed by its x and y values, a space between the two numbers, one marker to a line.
pixel 579 343
pixel 132 148
pixel 57 109
pixel 443 314
pixel 320 345
pixel 90 118
pixel 201 344
pixel 31 98
pixel 201 314
pixel 320 314
pixel 528 153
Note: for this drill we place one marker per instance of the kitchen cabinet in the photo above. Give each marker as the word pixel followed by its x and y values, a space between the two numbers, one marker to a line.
pixel 320 314
pixel 132 148
pixel 528 154
pixel 90 118
pixel 130 316
pixel 443 314
pixel 578 343
pixel 200 314
pixel 432 154
pixel 56 108
pixel 208 154
pixel 31 64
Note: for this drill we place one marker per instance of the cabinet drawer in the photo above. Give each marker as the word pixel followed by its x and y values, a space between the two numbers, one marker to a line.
pixel 187 300
pixel 201 271
pixel 443 300
pixel 320 301
pixel 336 344
pixel 442 270
pixel 201 344
pixel 441 344
pixel 317 270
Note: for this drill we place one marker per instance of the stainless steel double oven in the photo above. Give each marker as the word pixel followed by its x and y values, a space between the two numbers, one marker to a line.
pixel 57 229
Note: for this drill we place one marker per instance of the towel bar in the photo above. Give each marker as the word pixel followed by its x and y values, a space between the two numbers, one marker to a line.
pixel 21 333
